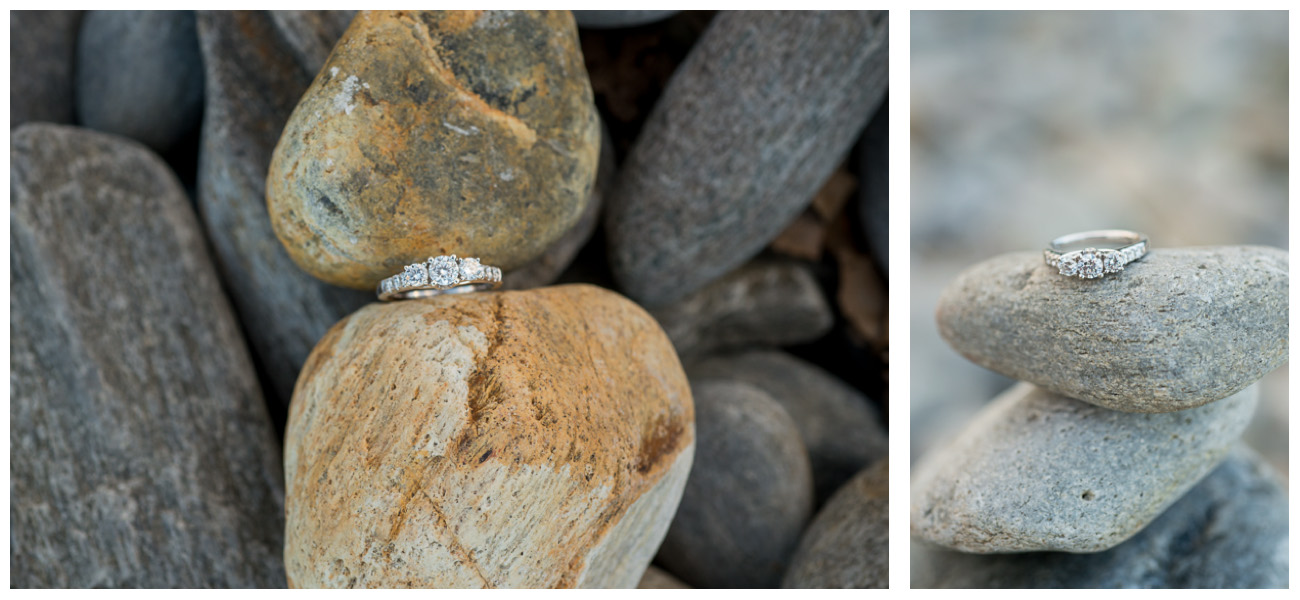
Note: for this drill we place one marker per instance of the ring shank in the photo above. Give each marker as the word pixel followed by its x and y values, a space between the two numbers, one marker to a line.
pixel 431 292
pixel 1118 237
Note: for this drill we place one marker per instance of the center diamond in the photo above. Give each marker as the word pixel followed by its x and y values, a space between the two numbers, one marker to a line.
pixel 443 270
pixel 1086 264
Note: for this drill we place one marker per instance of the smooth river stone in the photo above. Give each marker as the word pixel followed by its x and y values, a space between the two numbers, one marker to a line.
pixel 749 494
pixel 1038 471
pixel 539 438
pixel 768 302
pixel 253 83
pixel 311 34
pixel 847 544
pixel 545 269
pixel 142 452
pixel 750 126
pixel 1177 329
pixel 140 75
pixel 42 52
pixel 1230 531
pixel 837 423
pixel 436 132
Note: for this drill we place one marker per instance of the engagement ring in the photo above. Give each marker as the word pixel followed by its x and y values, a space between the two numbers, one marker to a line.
pixel 1123 247
pixel 439 275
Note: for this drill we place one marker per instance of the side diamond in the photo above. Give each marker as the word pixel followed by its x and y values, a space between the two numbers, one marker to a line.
pixel 470 268
pixel 414 275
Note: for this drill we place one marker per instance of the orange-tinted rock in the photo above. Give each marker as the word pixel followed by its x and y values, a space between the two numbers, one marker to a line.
pixel 539 438
pixel 436 132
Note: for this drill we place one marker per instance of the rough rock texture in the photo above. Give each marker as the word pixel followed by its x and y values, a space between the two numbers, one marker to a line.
pixel 42 48
pixel 253 82
pixel 1038 471
pixel 873 187
pixel 766 302
pixel 613 19
pixel 311 34
pixel 1176 329
pixel 142 453
pixel 837 423
pixel 847 544
pixel 545 269
pixel 659 579
pixel 510 439
pixel 140 74
pixel 750 126
pixel 436 132
pixel 749 493
pixel 1230 531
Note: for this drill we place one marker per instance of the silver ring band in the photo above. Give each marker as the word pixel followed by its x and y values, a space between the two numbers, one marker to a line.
pixel 439 275
pixel 1090 262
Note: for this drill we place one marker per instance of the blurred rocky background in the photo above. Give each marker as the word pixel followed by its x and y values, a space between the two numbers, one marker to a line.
pixel 739 196
pixel 1029 125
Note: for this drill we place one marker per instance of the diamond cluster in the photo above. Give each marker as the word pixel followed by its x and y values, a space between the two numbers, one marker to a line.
pixel 1091 263
pixel 439 271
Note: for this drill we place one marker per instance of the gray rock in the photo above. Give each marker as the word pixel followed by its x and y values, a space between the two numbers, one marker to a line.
pixel 142 452
pixel 1176 329
pixel 140 75
pixel 613 19
pixel 253 83
pixel 770 302
pixel 659 579
pixel 311 34
pixel 751 125
pixel 837 423
pixel 42 49
pixel 1230 531
pixel 545 269
pixel 847 544
pixel 873 186
pixel 1038 471
pixel 749 492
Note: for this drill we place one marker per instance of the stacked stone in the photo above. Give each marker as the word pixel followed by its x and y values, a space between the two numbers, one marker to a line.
pixel 1135 389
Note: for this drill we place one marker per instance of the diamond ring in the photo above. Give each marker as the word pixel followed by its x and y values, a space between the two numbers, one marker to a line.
pixel 439 275
pixel 1090 262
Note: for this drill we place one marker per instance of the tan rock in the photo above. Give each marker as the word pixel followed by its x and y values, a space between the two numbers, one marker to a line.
pixel 436 132
pixel 539 438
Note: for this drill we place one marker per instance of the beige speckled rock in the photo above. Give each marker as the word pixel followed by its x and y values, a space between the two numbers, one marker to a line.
pixel 539 438
pixel 436 132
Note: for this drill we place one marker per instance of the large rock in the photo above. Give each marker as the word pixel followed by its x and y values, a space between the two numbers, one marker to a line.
pixel 1039 471
pixel 847 544
pixel 140 74
pixel 510 439
pixel 1176 329
pixel 749 494
pixel 766 303
pixel 436 132
pixel 837 423
pixel 142 453
pixel 253 83
pixel 1230 531
pixel 750 126
pixel 545 269
pixel 42 51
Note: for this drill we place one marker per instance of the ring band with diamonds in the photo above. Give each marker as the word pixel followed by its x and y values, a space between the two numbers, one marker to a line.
pixel 1090 262
pixel 439 275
